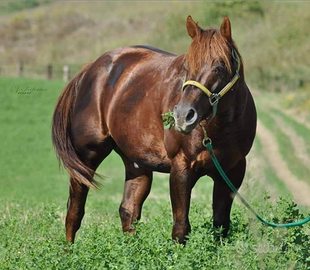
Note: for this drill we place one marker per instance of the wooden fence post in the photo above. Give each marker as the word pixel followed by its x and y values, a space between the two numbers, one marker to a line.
pixel 49 72
pixel 20 70
pixel 66 71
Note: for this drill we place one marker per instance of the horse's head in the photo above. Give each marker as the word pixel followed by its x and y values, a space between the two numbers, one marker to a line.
pixel 212 64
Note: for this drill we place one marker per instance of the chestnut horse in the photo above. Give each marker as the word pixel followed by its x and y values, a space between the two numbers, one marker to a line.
pixel 117 102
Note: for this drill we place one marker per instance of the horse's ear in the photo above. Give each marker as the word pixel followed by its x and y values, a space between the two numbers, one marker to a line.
pixel 192 28
pixel 226 29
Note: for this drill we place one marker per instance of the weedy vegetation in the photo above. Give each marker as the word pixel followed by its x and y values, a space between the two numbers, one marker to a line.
pixel 33 198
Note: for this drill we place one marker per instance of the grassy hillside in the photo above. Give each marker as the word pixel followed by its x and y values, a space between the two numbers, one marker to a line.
pixel 33 198
pixel 272 36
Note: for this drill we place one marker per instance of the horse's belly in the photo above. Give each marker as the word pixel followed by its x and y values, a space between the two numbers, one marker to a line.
pixel 141 140
pixel 145 154
pixel 152 161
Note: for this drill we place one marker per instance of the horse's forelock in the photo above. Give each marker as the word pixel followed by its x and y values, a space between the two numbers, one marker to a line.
pixel 208 46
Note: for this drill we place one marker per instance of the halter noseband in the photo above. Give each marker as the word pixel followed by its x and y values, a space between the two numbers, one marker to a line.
pixel 215 97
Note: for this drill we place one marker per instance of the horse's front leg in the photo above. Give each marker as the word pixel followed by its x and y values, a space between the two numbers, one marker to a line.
pixel 223 196
pixel 181 183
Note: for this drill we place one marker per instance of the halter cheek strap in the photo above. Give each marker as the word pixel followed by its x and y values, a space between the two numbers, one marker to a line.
pixel 215 97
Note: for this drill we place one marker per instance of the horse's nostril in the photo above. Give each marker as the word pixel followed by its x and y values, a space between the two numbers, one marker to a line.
pixel 191 116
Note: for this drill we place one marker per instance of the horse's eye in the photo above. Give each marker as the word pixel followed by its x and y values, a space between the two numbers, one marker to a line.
pixel 218 69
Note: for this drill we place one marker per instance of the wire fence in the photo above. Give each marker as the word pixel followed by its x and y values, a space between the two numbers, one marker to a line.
pixel 49 72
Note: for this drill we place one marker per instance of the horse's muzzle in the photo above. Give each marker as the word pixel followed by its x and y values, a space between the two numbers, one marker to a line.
pixel 186 118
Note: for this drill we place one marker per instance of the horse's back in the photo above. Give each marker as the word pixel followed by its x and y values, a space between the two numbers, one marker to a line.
pixel 153 49
pixel 118 70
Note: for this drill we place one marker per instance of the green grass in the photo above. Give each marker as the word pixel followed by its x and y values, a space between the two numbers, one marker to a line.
pixel 7 7
pixel 33 198
pixel 27 158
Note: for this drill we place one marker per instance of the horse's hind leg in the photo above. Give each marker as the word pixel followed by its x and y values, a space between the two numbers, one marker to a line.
pixel 137 187
pixel 92 155
pixel 75 208
pixel 223 196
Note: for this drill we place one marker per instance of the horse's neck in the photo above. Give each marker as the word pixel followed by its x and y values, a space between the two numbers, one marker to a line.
pixel 174 78
pixel 241 98
pixel 236 108
pixel 177 67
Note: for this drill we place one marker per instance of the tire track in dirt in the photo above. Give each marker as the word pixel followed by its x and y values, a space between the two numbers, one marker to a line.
pixel 300 190
pixel 255 174
pixel 292 114
pixel 297 141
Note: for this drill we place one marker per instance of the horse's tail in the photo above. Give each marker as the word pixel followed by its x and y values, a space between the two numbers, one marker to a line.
pixel 61 134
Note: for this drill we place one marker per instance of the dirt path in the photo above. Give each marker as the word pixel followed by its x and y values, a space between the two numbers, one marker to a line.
pixel 301 119
pixel 297 141
pixel 300 190
pixel 267 103
pixel 256 175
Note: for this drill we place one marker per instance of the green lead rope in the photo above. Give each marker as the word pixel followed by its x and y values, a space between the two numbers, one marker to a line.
pixel 208 145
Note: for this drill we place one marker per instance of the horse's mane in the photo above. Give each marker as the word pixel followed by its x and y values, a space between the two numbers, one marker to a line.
pixel 208 46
